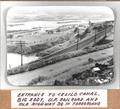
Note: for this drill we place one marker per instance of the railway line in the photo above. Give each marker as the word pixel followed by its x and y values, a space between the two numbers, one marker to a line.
pixel 77 63
pixel 88 40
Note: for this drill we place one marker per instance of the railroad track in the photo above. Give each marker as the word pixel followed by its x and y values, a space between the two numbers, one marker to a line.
pixel 82 44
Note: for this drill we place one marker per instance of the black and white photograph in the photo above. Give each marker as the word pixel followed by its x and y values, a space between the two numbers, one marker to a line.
pixel 60 45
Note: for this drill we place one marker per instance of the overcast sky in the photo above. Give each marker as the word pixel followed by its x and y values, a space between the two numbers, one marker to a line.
pixel 28 13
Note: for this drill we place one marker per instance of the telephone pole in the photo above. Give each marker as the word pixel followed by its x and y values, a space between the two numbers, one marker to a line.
pixel 21 43
pixel 105 27
pixel 95 28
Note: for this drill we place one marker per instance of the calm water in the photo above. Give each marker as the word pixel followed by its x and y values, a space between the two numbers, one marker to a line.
pixel 14 60
pixel 42 24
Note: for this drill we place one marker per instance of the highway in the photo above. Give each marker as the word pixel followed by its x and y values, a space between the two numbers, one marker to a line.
pixel 86 41
pixel 56 70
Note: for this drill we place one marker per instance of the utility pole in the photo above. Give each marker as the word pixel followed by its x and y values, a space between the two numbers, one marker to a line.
pixel 95 28
pixel 77 42
pixel 105 26
pixel 77 36
pixel 95 36
pixel 21 43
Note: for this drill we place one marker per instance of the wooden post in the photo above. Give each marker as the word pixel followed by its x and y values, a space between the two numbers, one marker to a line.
pixel 105 30
pixel 95 28
pixel 95 37
pixel 77 43
pixel 21 53
pixel 21 43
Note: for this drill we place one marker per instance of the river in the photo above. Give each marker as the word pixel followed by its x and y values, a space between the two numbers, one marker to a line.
pixel 14 60
pixel 45 25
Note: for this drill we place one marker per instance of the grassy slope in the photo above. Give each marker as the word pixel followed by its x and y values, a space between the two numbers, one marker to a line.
pixel 58 68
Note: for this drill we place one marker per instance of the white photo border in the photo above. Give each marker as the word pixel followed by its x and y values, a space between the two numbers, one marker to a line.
pixel 115 6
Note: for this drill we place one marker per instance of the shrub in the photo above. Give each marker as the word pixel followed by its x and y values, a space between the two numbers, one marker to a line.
pixel 51 60
pixel 36 80
pixel 17 70
pixel 58 83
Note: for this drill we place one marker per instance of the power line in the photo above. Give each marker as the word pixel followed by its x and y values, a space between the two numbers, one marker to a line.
pixel 21 43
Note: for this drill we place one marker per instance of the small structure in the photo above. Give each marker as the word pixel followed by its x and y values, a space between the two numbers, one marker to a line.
pixel 95 69
pixel 50 31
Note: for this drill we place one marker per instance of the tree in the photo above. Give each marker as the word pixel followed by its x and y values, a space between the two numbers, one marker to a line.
pixel 77 36
pixel 10 36
pixel 58 30
pixel 76 30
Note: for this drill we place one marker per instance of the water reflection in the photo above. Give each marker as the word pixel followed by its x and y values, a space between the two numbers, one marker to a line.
pixel 14 60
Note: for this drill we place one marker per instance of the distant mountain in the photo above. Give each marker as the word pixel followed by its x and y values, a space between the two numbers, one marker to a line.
pixel 18 19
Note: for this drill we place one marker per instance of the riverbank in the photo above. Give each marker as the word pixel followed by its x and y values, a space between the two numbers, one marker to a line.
pixel 45 62
pixel 59 71
pixel 11 60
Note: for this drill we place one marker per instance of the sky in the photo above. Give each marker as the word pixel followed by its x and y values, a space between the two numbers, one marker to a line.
pixel 58 13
